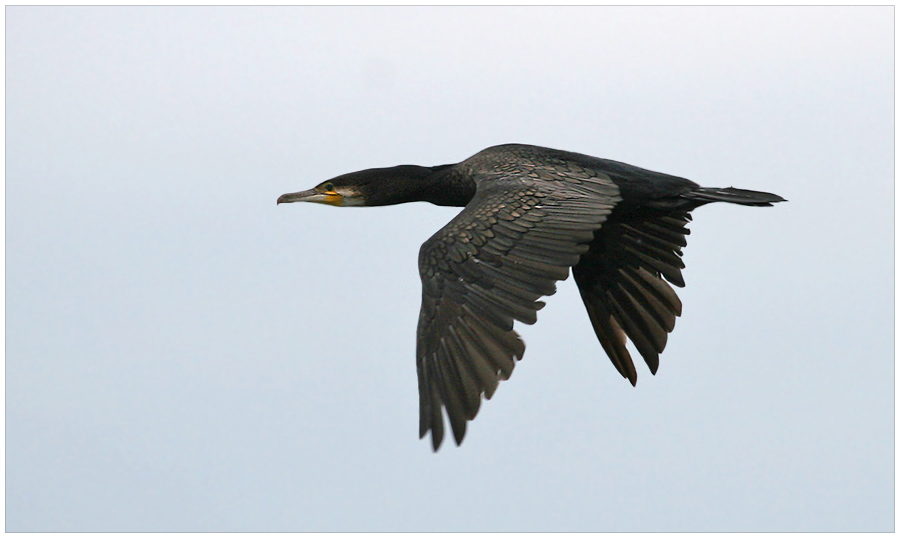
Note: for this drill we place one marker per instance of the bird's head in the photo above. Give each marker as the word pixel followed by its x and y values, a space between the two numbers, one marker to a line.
pixel 344 190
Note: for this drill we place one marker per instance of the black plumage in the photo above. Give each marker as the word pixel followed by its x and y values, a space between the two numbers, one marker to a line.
pixel 531 213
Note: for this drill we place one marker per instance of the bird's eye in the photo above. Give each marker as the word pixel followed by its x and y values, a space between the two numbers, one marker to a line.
pixel 328 187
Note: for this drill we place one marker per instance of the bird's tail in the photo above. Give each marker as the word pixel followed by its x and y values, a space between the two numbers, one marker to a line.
pixel 704 195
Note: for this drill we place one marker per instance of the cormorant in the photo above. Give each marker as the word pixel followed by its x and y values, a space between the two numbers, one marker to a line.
pixel 530 214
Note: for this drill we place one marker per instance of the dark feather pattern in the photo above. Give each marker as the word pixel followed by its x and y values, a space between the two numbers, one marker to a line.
pixel 629 282
pixel 532 214
pixel 499 283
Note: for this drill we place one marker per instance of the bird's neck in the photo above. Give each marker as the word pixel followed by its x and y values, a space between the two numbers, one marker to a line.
pixel 440 185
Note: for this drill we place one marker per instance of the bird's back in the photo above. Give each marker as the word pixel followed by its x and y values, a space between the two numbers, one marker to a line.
pixel 565 169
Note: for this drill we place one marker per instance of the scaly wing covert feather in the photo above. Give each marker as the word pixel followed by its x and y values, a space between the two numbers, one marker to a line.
pixel 488 267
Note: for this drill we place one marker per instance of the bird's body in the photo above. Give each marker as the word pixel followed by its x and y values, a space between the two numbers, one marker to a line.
pixel 530 214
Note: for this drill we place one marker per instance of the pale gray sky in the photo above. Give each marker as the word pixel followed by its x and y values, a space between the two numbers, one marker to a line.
pixel 184 355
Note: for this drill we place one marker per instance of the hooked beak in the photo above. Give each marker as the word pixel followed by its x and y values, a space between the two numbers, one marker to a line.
pixel 311 196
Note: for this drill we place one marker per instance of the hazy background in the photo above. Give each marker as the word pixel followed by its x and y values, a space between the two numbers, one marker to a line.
pixel 184 355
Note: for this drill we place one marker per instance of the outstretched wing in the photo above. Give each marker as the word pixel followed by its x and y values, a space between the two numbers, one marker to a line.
pixel 621 283
pixel 488 267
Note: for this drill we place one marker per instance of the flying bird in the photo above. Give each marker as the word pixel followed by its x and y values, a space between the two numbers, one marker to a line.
pixel 531 213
